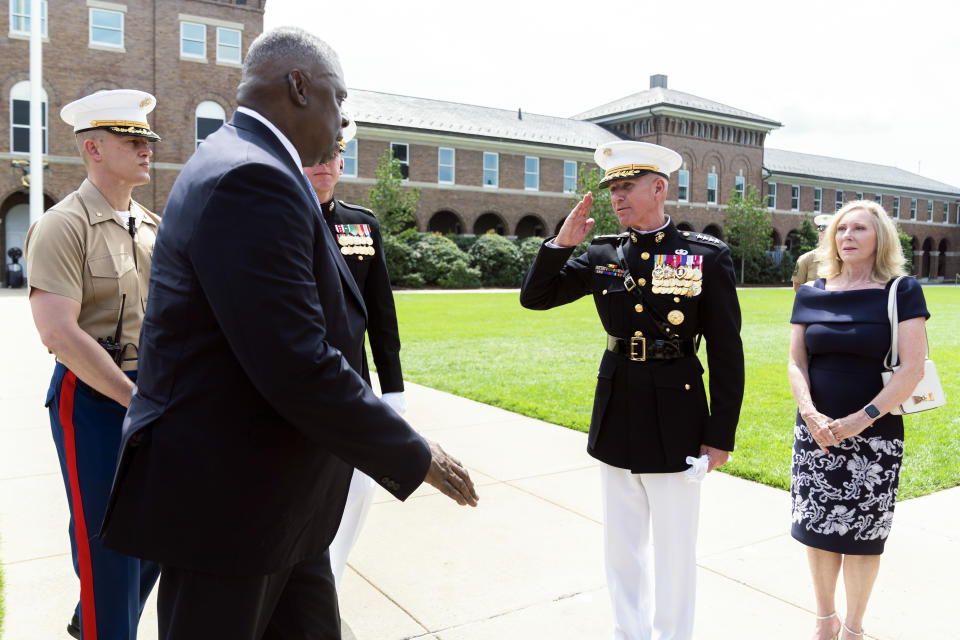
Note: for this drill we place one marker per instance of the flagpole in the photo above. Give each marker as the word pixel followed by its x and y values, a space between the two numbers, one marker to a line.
pixel 36 101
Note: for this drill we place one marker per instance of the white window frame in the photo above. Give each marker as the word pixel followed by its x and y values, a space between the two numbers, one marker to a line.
pixel 817 199
pixel 403 163
pixel 527 173
pixel 120 10
pixel 21 93
pixel 350 153
pixel 929 209
pixel 740 185
pixel 25 18
pixel 878 198
pixel 452 165
pixel 570 187
pixel 771 193
pixel 209 107
pixel 495 169
pixel 795 197
pixel 193 56
pixel 859 195
pixel 838 200
pixel 896 206
pixel 683 182
pixel 946 212
pixel 712 198
pixel 913 208
pixel 238 46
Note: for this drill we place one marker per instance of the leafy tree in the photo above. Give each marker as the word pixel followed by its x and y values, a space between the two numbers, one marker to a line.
pixel 605 220
pixel 906 243
pixel 395 205
pixel 805 239
pixel 748 227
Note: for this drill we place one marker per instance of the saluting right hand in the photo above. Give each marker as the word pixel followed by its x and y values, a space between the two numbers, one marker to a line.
pixel 577 225
pixel 448 475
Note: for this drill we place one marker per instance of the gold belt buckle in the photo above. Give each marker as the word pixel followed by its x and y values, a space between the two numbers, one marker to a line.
pixel 634 341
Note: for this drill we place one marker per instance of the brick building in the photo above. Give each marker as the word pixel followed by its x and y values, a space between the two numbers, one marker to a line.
pixel 481 168
pixel 478 168
pixel 185 52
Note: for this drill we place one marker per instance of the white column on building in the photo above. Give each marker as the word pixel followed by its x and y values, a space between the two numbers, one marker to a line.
pixel 36 102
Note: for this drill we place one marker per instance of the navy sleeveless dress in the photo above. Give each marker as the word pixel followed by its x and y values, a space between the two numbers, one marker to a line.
pixel 843 501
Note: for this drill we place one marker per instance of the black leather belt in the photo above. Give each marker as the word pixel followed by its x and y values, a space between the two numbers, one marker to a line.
pixel 640 349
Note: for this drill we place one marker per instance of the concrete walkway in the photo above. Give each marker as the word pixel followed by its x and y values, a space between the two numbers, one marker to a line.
pixel 527 563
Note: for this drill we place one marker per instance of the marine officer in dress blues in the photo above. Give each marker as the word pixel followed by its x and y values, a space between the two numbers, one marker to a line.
pixel 357 233
pixel 658 291
pixel 89 260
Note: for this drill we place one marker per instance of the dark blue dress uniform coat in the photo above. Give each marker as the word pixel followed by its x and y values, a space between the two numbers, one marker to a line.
pixel 249 414
pixel 369 268
pixel 648 416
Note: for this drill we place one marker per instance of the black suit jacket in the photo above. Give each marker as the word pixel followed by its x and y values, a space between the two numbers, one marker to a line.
pixel 649 416
pixel 249 411
pixel 349 224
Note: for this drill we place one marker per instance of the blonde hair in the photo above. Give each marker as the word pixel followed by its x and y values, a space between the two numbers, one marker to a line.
pixel 83 136
pixel 888 260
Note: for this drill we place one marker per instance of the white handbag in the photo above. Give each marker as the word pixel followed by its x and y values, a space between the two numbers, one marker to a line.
pixel 929 393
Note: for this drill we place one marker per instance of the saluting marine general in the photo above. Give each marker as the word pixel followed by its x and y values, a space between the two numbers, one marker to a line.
pixel 658 291
pixel 89 260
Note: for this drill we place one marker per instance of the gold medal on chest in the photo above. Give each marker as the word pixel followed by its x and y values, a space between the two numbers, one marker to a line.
pixel 675 317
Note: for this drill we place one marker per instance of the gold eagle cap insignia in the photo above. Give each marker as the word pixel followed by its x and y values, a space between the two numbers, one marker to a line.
pixel 146 102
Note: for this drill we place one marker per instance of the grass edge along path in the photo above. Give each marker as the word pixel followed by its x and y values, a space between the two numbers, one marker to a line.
pixel 543 364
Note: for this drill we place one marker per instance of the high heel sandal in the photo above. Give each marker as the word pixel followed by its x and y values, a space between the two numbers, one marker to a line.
pixel 851 631
pixel 827 617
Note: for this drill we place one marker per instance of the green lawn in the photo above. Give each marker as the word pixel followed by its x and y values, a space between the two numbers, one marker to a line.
pixel 543 364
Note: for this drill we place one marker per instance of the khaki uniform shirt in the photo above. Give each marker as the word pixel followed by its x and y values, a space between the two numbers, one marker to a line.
pixel 806 271
pixel 79 249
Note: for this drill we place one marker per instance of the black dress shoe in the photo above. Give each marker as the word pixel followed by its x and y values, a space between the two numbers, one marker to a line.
pixel 74 627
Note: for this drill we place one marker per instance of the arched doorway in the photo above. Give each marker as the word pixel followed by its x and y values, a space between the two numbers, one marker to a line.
pixel 685 226
pixel 925 263
pixel 714 230
pixel 530 225
pixel 489 221
pixel 14 224
pixel 775 244
pixel 445 222
pixel 942 260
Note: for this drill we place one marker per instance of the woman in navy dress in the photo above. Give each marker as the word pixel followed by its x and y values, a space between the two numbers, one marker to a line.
pixel 847 447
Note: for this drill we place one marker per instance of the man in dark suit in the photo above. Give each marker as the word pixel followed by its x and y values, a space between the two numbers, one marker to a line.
pixel 657 290
pixel 249 412
pixel 357 233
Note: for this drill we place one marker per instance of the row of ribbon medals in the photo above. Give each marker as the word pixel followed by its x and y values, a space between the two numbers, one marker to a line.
pixel 354 239
pixel 678 275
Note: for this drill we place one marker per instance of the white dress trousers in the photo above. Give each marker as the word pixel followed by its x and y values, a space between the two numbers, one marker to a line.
pixel 650 539
pixel 359 498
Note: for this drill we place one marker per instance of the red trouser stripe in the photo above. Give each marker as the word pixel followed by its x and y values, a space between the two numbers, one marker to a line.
pixel 87 607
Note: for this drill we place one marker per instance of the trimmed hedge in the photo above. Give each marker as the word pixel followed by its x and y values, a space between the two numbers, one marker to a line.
pixel 498 260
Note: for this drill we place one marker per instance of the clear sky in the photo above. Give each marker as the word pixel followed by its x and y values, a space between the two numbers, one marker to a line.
pixel 871 81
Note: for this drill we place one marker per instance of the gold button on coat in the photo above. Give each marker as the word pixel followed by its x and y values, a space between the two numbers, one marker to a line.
pixel 604 292
pixel 645 255
pixel 687 387
pixel 639 308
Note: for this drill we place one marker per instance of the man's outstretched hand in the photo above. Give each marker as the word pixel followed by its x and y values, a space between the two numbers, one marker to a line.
pixel 448 475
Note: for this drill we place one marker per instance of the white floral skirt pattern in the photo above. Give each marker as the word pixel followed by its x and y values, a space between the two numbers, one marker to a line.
pixel 843 500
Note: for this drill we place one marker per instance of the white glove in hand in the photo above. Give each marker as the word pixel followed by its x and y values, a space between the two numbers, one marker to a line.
pixel 698 468
pixel 396 401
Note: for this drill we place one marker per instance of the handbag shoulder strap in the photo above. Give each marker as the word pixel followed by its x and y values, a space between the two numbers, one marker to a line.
pixel 892 358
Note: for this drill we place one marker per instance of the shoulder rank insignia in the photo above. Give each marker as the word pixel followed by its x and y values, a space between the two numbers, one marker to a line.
pixel 608 270
pixel 354 239
pixel 677 275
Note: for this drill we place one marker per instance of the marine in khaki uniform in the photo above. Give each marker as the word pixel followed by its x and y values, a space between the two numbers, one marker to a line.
pixel 88 261
pixel 357 233
pixel 658 291
pixel 807 263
